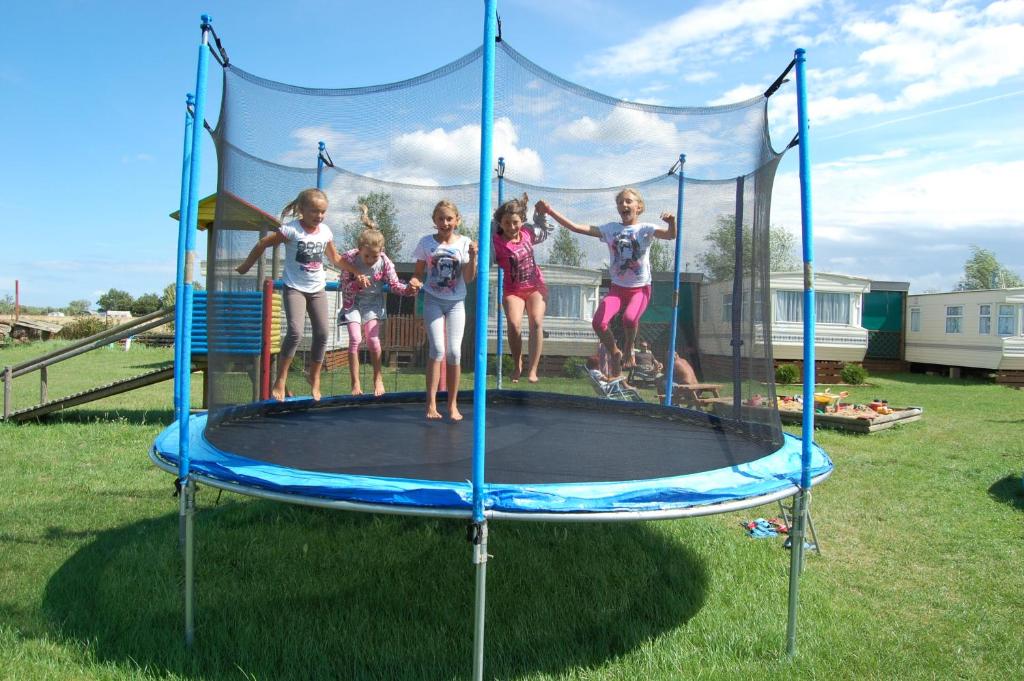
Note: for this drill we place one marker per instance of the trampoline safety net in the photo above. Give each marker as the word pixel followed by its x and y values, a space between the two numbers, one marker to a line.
pixel 404 146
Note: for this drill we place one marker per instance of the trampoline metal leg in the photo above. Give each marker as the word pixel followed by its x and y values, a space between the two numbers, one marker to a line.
pixel 479 610
pixel 189 503
pixel 796 562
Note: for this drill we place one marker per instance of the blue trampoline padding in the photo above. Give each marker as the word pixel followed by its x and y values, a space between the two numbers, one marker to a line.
pixel 775 472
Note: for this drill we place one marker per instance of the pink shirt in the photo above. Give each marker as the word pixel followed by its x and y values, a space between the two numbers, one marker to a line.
pixel 516 258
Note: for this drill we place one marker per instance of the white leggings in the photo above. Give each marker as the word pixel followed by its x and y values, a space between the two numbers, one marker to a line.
pixel 435 313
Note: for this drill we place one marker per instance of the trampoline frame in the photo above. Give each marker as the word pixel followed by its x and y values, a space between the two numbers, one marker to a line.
pixel 186 480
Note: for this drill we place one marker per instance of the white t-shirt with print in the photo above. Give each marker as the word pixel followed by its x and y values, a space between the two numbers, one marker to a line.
pixel 630 250
pixel 304 256
pixel 444 278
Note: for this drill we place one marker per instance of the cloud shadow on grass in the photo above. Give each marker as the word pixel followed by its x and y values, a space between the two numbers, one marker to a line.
pixel 289 592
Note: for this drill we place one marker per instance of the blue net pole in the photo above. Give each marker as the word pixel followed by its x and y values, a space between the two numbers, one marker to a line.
pixel 670 360
pixel 483 260
pixel 807 436
pixel 483 279
pixel 184 335
pixel 320 165
pixel 185 330
pixel 180 372
pixel 500 340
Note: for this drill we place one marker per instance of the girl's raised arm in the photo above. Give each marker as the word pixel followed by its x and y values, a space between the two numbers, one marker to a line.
pixel 544 208
pixel 669 231
pixel 269 241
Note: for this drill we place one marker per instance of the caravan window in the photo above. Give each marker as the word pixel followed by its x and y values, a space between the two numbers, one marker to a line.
pixel 1007 320
pixel 915 319
pixel 832 308
pixel 565 301
pixel 789 306
pixel 954 318
pixel 984 319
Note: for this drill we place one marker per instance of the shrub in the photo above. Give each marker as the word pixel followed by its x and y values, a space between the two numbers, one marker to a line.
pixel 854 374
pixel 506 365
pixel 787 373
pixel 573 366
pixel 83 327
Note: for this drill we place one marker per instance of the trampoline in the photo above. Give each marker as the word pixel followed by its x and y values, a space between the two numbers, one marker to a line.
pixel 549 457
pixel 518 454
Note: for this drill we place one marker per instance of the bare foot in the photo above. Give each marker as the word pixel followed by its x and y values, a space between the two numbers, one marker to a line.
pixel 278 394
pixel 378 387
pixel 532 378
pixel 356 390
pixel 628 362
pixel 432 413
pixel 314 386
pixel 517 370
pixel 454 414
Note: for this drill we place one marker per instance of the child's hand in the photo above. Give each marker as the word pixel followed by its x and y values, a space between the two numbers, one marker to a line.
pixel 415 284
pixel 542 207
pixel 363 280
pixel 472 250
pixel 669 218
pixel 241 269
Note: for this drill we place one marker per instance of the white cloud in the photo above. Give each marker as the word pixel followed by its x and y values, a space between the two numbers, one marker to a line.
pixel 697 36
pixel 443 154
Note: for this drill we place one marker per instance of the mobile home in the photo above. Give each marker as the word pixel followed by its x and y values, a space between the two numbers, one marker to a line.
pixel 968 329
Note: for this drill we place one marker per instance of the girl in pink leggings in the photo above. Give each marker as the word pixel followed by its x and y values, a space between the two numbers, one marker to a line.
pixel 629 246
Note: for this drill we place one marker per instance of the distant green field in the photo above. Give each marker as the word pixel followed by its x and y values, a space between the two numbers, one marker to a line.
pixel 921 575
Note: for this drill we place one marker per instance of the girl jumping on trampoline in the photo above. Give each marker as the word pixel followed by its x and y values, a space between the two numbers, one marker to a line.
pixel 306 241
pixel 363 306
pixel 445 263
pixel 629 244
pixel 513 243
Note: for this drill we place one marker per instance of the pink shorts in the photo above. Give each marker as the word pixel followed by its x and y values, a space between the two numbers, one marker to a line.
pixel 525 293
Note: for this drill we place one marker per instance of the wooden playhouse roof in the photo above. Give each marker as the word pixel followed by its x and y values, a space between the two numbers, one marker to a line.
pixel 235 214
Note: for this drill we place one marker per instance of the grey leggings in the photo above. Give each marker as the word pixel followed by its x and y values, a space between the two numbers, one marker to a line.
pixel 296 305
pixel 436 313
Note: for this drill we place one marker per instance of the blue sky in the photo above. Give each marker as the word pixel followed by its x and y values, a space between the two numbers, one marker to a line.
pixel 916 112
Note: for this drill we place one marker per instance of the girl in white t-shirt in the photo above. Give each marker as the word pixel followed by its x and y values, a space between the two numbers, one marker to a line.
pixel 306 242
pixel 629 245
pixel 445 263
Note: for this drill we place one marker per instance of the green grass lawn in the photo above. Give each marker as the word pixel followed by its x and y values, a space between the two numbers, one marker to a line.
pixel 921 577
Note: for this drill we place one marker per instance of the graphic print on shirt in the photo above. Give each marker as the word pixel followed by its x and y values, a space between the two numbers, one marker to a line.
pixel 627 253
pixel 310 255
pixel 521 265
pixel 445 270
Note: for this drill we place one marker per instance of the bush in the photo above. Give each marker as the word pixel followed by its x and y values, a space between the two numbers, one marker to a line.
pixel 854 374
pixel 787 373
pixel 83 327
pixel 573 366
pixel 506 365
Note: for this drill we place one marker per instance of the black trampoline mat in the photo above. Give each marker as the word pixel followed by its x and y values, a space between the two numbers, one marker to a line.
pixel 528 441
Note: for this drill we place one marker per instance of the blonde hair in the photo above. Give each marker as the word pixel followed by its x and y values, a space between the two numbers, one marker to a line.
pixel 636 195
pixel 445 203
pixel 511 207
pixel 371 237
pixel 305 197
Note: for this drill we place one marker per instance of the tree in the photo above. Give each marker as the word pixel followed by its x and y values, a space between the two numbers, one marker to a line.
pixel 382 210
pixel 115 299
pixel 983 271
pixel 7 304
pixel 146 303
pixel 662 257
pixel 719 260
pixel 77 308
pixel 565 250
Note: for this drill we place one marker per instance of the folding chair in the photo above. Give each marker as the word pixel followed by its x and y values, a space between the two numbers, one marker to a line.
pixel 614 389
